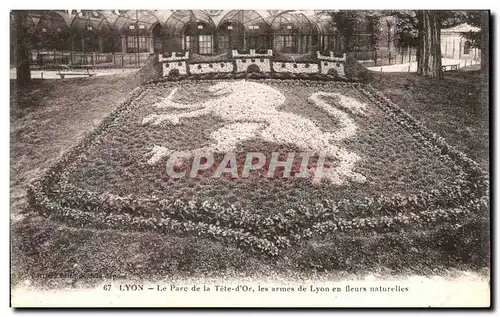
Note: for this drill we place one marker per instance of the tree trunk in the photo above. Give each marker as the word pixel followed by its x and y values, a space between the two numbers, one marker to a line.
pixel 429 49
pixel 347 43
pixel 22 52
pixel 485 40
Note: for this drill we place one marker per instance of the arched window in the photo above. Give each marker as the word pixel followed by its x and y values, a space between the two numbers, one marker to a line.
pixel 112 43
pixel 326 35
pixel 198 38
pixel 294 33
pixel 243 30
pixel 285 31
pixel 190 30
pixel 52 30
pixel 157 38
pixel 230 35
pixel 467 47
pixel 91 32
pixel 136 28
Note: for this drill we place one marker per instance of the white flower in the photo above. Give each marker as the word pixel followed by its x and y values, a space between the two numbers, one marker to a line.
pixel 215 67
pixel 251 110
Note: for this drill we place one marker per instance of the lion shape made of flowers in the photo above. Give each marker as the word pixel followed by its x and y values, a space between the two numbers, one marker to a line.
pixel 251 110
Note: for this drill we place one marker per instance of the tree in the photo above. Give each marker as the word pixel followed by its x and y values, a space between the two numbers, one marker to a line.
pixel 22 52
pixel 417 28
pixel 373 21
pixel 406 28
pixel 344 21
pixel 429 48
pixel 347 22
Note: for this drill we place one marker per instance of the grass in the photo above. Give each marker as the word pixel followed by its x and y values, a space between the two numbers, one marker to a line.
pixel 457 108
pixel 68 109
pixel 52 115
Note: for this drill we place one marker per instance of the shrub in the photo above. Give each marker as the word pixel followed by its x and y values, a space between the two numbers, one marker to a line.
pixel 152 70
pixel 355 71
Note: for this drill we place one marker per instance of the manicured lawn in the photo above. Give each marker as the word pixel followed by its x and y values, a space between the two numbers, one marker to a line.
pixel 53 115
pixel 456 108
pixel 390 159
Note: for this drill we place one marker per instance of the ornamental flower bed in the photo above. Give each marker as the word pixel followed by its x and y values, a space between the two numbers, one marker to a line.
pixel 262 65
pixel 399 174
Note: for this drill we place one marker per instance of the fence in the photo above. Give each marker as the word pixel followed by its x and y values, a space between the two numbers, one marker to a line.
pixel 54 59
pixel 384 56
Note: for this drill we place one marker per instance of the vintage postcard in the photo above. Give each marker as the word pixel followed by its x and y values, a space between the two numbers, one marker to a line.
pixel 249 158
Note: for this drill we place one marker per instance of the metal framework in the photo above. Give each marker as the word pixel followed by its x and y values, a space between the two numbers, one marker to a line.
pixel 294 33
pixel 147 31
pixel 243 29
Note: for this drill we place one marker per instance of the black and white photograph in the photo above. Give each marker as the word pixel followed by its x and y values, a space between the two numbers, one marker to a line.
pixel 249 158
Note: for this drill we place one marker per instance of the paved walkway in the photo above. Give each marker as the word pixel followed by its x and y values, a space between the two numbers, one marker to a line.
pixel 412 67
pixel 52 74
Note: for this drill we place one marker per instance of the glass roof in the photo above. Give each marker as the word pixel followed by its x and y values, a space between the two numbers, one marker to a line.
pixel 91 21
pixel 248 18
pixel 51 21
pixel 142 17
pixel 176 23
pixel 325 26
pixel 293 22
pixel 173 23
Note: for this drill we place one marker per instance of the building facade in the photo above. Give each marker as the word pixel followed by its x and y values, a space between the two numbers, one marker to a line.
pixel 204 32
pixel 455 46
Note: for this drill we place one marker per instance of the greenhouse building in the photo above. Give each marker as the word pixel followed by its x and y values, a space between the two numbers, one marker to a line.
pixel 204 32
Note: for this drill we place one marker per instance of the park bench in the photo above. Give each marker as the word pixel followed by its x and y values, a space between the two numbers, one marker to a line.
pixel 64 71
pixel 450 67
